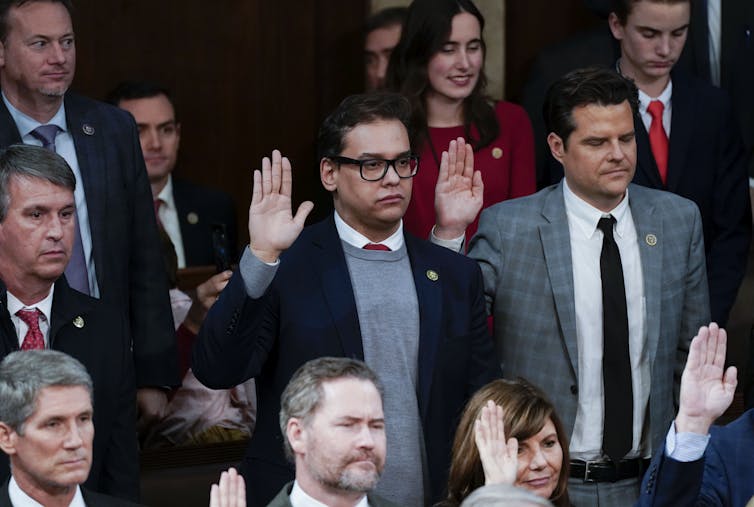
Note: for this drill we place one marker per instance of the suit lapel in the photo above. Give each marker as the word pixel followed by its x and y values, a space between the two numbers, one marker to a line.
pixel 8 331
pixel 67 305
pixel 681 129
pixel 556 241
pixel 645 161
pixel 330 265
pixel 8 130
pixel 429 296
pixel 647 226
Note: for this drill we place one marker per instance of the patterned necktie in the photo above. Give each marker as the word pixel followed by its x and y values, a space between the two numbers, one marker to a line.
pixel 33 339
pixel 76 272
pixel 618 401
pixel 376 246
pixel 658 140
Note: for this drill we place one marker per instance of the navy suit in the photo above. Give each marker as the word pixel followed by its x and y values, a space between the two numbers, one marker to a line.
pixel 91 499
pixel 199 208
pixel 100 341
pixel 125 246
pixel 706 165
pixel 309 311
pixel 723 477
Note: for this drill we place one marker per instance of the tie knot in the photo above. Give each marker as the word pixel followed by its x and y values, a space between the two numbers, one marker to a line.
pixel 606 225
pixel 376 246
pixel 30 317
pixel 46 134
pixel 655 108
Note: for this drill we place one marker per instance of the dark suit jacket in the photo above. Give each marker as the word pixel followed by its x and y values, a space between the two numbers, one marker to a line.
pixel 723 477
pixel 282 499
pixel 102 345
pixel 199 208
pixel 309 311
pixel 91 499
pixel 706 165
pixel 126 249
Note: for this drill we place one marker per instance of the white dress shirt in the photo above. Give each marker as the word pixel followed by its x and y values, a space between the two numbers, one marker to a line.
pixel 355 238
pixel 299 498
pixel 65 148
pixel 586 247
pixel 169 219
pixel 714 33
pixel 20 499
pixel 664 97
pixel 44 306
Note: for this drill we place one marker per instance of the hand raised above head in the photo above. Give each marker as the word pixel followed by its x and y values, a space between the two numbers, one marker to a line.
pixel 459 190
pixel 499 457
pixel 272 225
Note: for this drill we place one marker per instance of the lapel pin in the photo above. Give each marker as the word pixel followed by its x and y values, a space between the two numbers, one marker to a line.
pixel 88 129
pixel 78 322
pixel 497 152
pixel 432 275
pixel 192 218
pixel 651 239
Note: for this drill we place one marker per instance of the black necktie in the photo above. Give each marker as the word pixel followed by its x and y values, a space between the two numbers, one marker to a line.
pixel 616 365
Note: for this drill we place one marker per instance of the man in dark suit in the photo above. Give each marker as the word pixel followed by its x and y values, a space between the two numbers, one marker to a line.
pixel 687 138
pixel 116 255
pixel 336 464
pixel 46 429
pixel 353 285
pixel 39 310
pixel 191 215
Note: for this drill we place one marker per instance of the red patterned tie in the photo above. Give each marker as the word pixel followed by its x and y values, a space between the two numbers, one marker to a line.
pixel 376 246
pixel 33 339
pixel 157 203
pixel 658 140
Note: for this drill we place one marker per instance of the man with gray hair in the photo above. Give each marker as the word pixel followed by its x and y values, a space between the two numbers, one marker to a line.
pixel 38 309
pixel 46 427
pixel 334 431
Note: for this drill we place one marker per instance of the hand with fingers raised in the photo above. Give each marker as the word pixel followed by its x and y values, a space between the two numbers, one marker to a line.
pixel 458 193
pixel 499 457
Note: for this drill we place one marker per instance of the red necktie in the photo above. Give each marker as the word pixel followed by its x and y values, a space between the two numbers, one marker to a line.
pixel 33 339
pixel 376 246
pixel 658 140
pixel 157 203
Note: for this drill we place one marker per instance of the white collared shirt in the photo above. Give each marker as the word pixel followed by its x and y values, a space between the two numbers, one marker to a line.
pixel 586 247
pixel 65 148
pixel 666 98
pixel 45 306
pixel 355 238
pixel 169 219
pixel 714 21
pixel 18 498
pixel 299 498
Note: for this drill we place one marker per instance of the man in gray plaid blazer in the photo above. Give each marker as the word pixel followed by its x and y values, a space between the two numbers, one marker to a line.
pixel 541 259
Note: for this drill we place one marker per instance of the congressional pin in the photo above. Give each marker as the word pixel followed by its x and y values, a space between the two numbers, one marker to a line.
pixel 88 129
pixel 192 218
pixel 497 152
pixel 651 239
pixel 432 275
pixel 78 322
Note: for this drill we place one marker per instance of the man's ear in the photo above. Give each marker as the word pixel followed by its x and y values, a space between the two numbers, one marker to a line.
pixel 616 27
pixel 297 435
pixel 557 146
pixel 8 438
pixel 328 173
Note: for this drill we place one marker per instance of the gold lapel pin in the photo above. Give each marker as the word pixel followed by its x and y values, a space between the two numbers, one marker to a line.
pixel 432 275
pixel 192 218
pixel 651 239
pixel 497 152
pixel 78 322
pixel 88 129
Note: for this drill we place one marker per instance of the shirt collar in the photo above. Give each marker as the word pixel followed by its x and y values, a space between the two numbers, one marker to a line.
pixel 26 123
pixel 299 498
pixel 44 305
pixel 586 217
pixel 19 498
pixel 355 238
pixel 166 194
pixel 664 97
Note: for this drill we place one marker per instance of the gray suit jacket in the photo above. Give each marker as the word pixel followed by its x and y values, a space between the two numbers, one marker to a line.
pixel 523 248
pixel 283 499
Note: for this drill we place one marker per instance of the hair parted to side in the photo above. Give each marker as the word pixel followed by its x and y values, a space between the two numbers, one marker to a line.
pixel 303 394
pixel 426 30
pixel 526 410
pixel 28 161
pixel 495 495
pixel 385 18
pixel 7 5
pixel 582 87
pixel 622 8
pixel 23 375
pixel 131 90
pixel 357 110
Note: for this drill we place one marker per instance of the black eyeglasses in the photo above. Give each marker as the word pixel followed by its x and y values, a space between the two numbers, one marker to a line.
pixel 374 169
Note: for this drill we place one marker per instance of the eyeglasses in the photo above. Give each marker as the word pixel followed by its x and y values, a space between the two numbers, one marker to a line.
pixel 374 169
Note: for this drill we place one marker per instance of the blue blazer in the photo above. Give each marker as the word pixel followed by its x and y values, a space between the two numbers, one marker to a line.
pixel 724 476
pixel 125 246
pixel 309 311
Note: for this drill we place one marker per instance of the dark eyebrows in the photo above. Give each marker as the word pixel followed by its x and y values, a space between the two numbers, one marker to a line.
pixel 366 155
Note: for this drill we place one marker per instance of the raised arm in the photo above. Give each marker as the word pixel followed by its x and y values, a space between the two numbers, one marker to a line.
pixel 499 456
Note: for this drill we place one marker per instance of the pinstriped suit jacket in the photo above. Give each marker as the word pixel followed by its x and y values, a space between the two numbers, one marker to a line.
pixel 523 248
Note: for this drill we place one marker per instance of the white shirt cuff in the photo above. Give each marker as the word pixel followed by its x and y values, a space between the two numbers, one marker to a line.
pixel 455 244
pixel 685 447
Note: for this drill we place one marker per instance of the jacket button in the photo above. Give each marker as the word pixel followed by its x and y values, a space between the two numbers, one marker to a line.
pixel 574 389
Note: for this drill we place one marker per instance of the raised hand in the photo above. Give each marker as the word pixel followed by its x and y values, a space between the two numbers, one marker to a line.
pixel 272 225
pixel 230 492
pixel 706 387
pixel 499 458
pixel 458 193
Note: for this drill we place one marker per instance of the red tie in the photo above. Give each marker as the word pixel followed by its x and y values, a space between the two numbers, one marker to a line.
pixel 33 339
pixel 658 140
pixel 157 203
pixel 376 246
